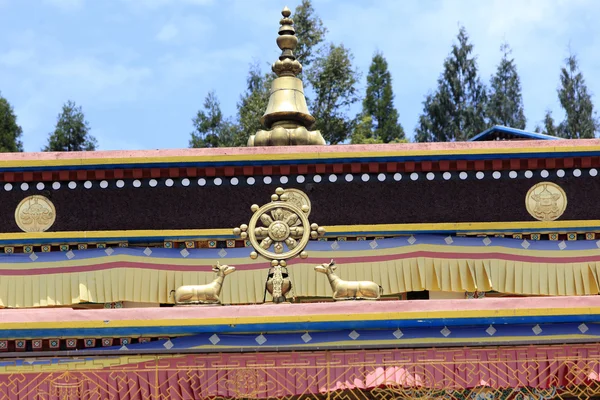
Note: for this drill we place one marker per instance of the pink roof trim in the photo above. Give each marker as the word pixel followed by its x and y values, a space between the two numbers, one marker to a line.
pixel 533 145
pixel 567 303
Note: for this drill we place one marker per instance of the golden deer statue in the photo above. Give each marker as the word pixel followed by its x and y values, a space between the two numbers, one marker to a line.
pixel 349 290
pixel 203 294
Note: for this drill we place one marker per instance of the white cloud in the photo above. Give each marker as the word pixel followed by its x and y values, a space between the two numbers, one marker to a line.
pixel 186 29
pixel 16 57
pixel 198 2
pixel 110 140
pixel 93 83
pixel 94 77
pixel 154 4
pixel 167 33
pixel 36 120
pixel 65 4
pixel 177 68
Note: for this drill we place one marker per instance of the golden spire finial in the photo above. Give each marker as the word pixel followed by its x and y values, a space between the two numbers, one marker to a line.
pixel 287 116
pixel 287 65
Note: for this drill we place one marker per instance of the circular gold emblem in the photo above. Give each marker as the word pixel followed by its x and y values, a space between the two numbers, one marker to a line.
pixel 279 230
pixel 298 198
pixel 35 214
pixel 546 201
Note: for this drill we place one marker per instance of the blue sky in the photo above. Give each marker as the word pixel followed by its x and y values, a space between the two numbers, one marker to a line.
pixel 141 68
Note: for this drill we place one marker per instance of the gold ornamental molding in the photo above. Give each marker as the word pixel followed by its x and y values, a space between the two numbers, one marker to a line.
pixel 35 214
pixel 546 201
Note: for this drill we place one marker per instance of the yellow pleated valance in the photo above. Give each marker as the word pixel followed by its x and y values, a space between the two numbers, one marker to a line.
pixel 416 274
pixel 152 285
pixel 122 284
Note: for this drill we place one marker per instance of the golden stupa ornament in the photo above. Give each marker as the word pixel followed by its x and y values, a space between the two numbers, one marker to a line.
pixel 287 118
pixel 35 214
pixel 280 231
pixel 546 201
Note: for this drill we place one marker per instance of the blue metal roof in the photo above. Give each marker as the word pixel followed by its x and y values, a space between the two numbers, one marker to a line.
pixel 512 131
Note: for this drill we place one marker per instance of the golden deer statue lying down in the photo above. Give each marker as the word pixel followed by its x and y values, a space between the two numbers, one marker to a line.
pixel 204 294
pixel 349 290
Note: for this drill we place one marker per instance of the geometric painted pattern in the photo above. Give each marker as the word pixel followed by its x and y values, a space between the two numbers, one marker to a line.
pixel 230 243
pixel 484 373
pixel 494 334
pixel 20 345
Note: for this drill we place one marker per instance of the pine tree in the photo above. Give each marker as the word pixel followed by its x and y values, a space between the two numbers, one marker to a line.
pixel 550 127
pixel 378 105
pixel 363 131
pixel 505 104
pixel 10 131
pixel 456 111
pixel 580 121
pixel 310 32
pixel 211 129
pixel 253 104
pixel 71 132
pixel 333 81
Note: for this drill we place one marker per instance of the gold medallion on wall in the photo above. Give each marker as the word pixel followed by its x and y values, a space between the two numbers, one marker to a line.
pixel 35 214
pixel 546 201
pixel 297 198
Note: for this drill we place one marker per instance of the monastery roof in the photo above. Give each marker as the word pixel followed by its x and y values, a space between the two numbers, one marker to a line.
pixel 499 132
pixel 364 190
pixel 287 154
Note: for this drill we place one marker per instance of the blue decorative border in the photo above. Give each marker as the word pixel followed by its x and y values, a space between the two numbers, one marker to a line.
pixel 365 247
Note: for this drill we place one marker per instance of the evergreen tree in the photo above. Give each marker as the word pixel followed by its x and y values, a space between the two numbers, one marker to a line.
pixel 333 81
pixel 253 104
pixel 71 132
pixel 378 106
pixel 456 111
pixel 580 121
pixel 505 104
pixel 363 131
pixel 10 131
pixel 211 129
pixel 550 127
pixel 310 32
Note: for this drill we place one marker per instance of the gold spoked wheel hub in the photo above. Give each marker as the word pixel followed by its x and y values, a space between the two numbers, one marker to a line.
pixel 279 230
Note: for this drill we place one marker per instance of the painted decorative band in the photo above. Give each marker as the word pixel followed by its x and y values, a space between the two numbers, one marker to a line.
pixel 300 179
